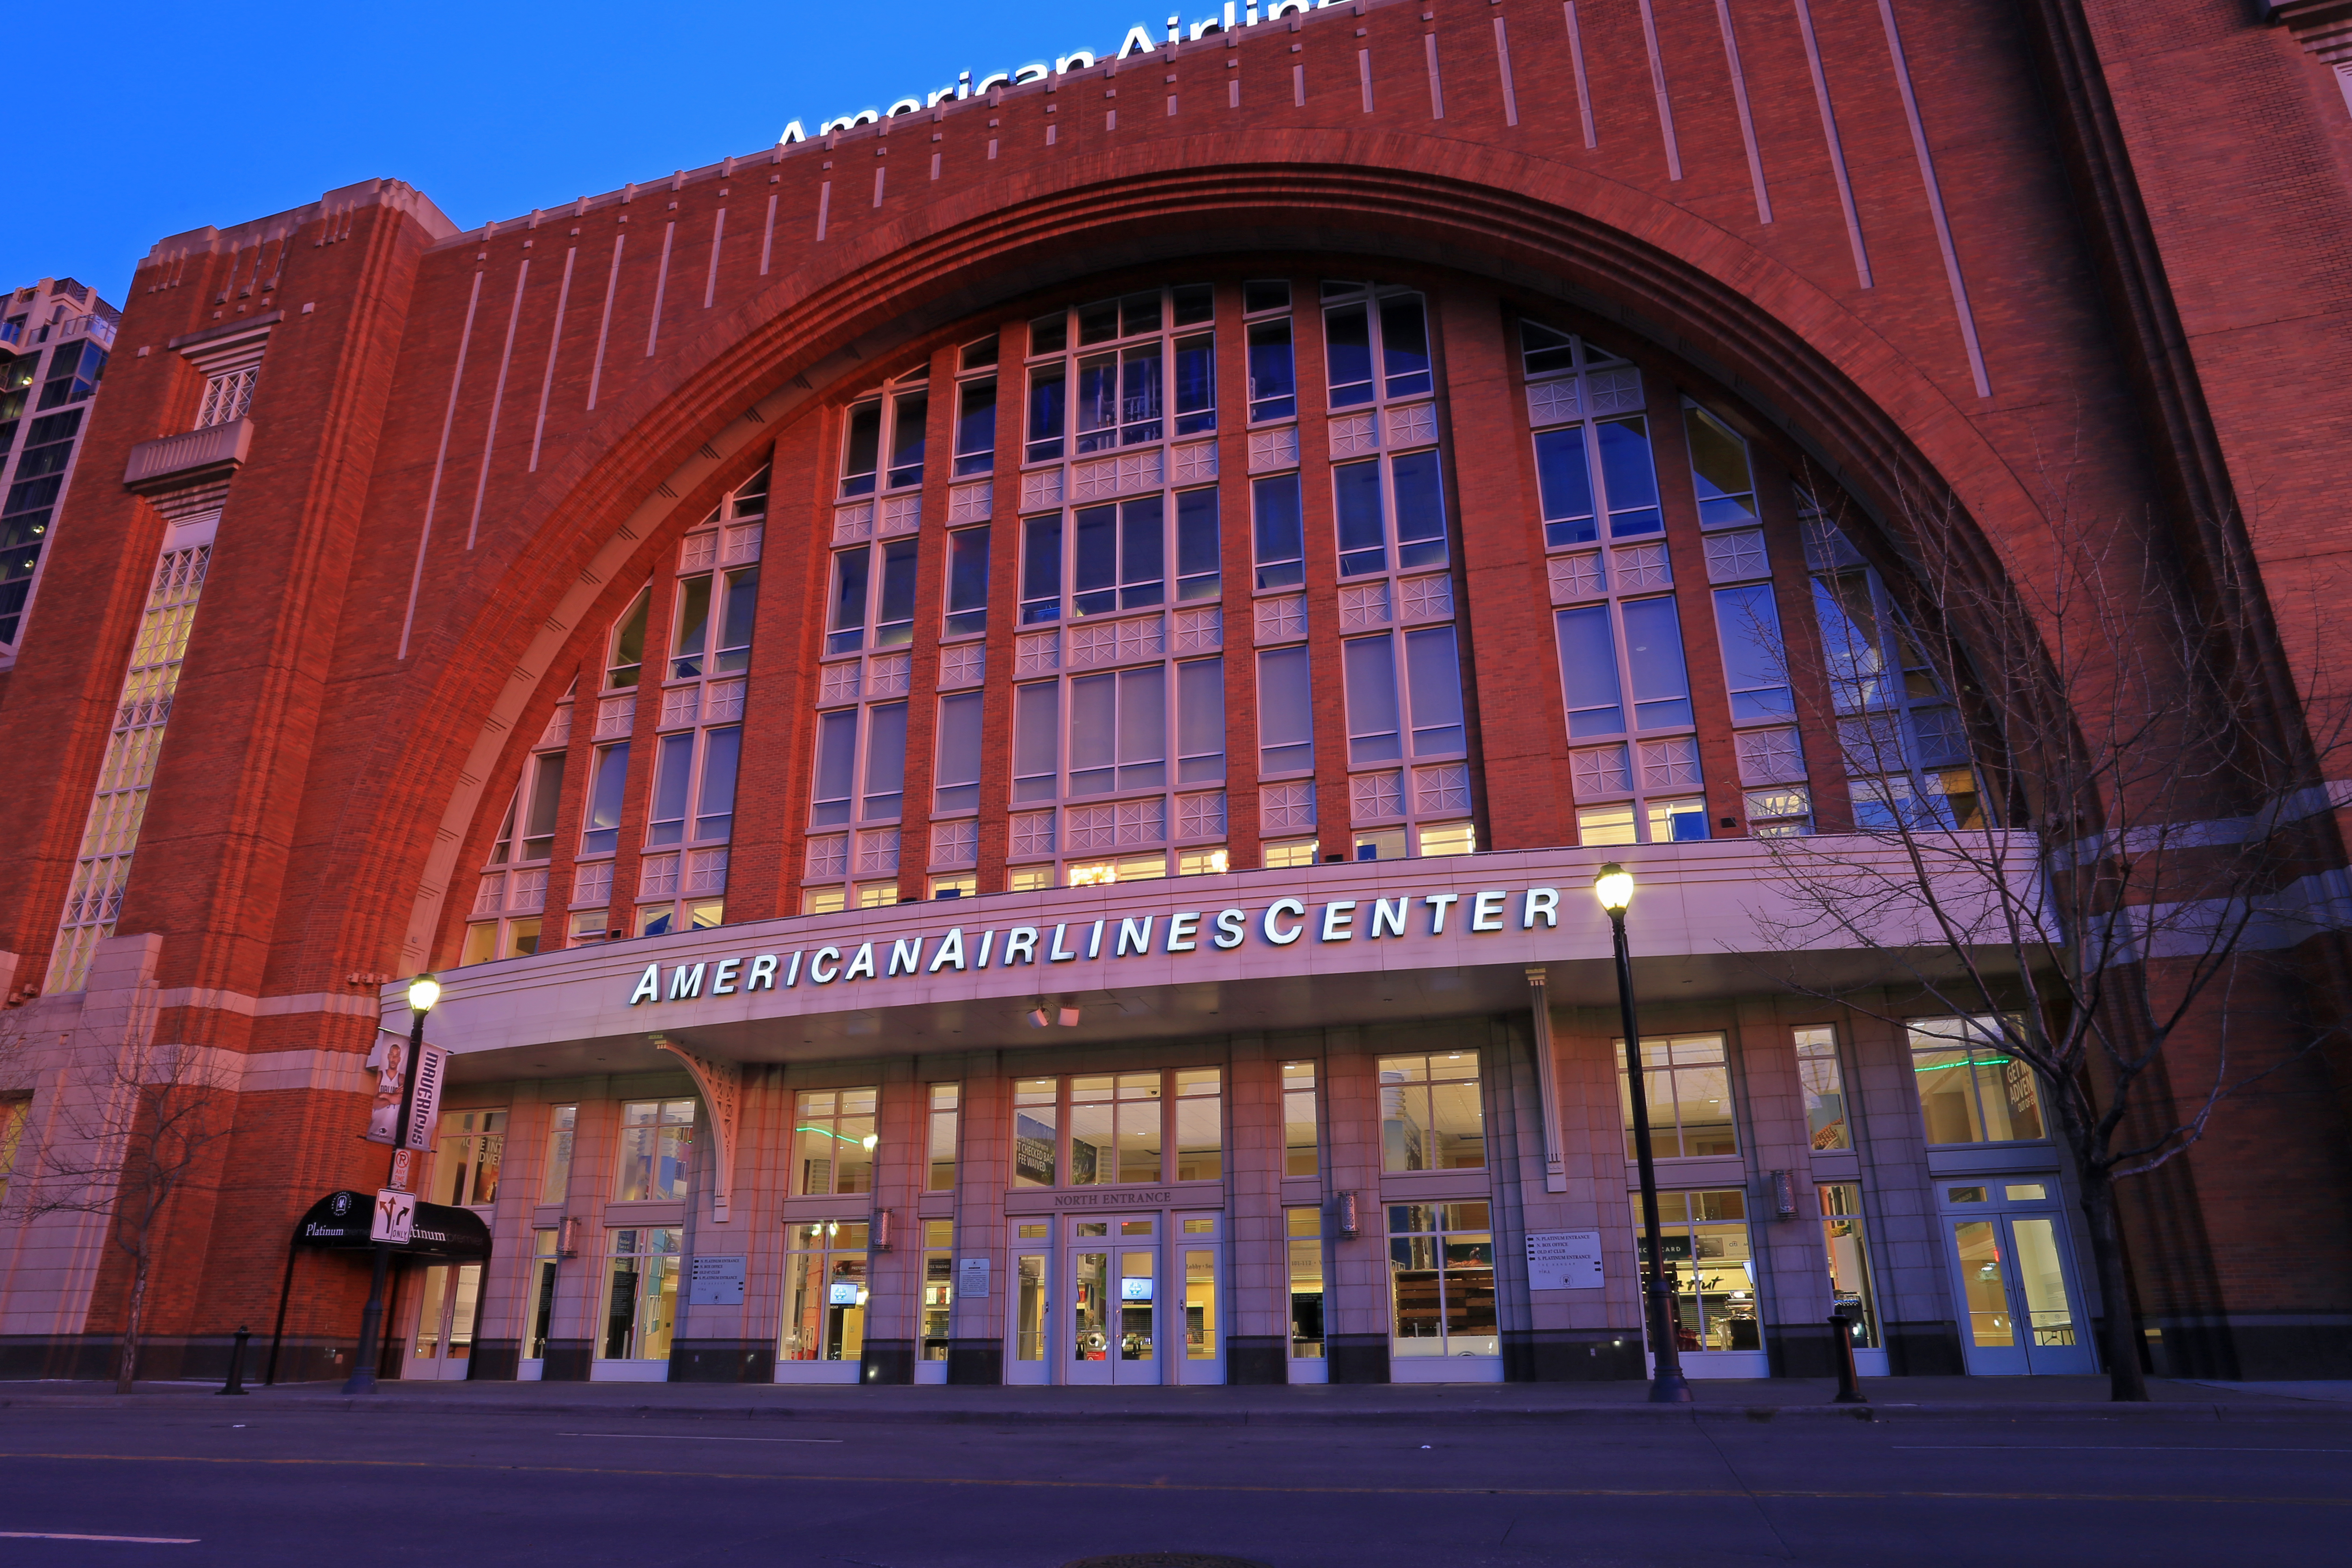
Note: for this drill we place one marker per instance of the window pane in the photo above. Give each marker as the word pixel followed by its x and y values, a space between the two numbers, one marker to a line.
pixel 539 821
pixel 860 448
pixel 1280 534
pixel 1434 685
pixel 837 767
pixel 958 774
pixel 894 623
pixel 1049 389
pixel 1201 720
pixel 885 759
pixel 1197 552
pixel 1753 664
pixel 1196 386
pixel 1404 346
pixel 603 832
pixel 975 445
pixel 1093 559
pixel 1371 666
pixel 1588 663
pixel 714 812
pixel 1142 553
pixel 1356 502
pixel 1347 349
pixel 907 422
pixel 1286 718
pixel 1719 470
pixel 1420 509
pixel 1653 655
pixel 742 610
pixel 967 581
pixel 848 621
pixel 1564 478
pixel 1273 374
pixel 1143 728
pixel 1041 569
pixel 1545 350
pixel 1629 478
pixel 1036 741
pixel 674 762
pixel 1093 738
pixel 693 628
pixel 629 645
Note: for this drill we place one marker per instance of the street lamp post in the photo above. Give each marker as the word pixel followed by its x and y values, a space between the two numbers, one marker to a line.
pixel 422 993
pixel 1614 888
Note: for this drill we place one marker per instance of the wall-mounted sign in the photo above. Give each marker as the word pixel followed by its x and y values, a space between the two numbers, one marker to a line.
pixel 971 1276
pixel 1282 923
pixel 1564 1260
pixel 715 1281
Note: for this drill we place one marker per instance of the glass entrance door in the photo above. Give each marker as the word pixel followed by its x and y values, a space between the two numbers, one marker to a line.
pixel 1112 1303
pixel 1028 1320
pixel 443 1347
pixel 2020 1308
pixel 1195 1262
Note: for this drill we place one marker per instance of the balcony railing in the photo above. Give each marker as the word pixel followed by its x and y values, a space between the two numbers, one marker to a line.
pixel 170 462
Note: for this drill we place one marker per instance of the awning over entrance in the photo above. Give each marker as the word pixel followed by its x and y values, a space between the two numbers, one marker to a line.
pixel 341 1220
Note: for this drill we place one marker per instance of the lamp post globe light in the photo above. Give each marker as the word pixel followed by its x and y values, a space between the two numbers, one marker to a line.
pixel 422 993
pixel 1614 888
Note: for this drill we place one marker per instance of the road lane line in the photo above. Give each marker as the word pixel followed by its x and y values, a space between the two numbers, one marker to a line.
pixel 1737 1493
pixel 2087 1449
pixel 696 1437
pixel 131 1540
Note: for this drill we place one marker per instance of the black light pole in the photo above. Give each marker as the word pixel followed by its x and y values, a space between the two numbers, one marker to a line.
pixel 1614 888
pixel 422 992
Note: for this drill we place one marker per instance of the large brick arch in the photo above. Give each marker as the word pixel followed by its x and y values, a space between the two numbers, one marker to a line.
pixel 657 457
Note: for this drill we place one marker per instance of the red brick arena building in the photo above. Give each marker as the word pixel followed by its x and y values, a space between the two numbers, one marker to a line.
pixel 1000 719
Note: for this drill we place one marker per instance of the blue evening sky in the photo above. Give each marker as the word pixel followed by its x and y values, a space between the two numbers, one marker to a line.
pixel 196 115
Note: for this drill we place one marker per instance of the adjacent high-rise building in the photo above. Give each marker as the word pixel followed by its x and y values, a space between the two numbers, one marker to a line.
pixel 54 339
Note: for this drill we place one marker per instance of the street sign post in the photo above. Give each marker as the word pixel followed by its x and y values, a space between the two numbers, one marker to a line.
pixel 395 1220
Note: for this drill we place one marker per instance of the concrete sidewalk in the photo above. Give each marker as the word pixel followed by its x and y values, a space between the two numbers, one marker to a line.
pixel 1892 1398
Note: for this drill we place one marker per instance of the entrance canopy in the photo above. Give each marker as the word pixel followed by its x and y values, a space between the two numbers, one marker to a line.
pixel 340 1220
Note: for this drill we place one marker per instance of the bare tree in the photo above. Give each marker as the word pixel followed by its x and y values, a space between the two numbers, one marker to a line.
pixel 133 1131
pixel 2087 802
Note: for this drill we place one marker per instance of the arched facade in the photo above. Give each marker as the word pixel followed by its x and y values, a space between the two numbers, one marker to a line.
pixel 1391 470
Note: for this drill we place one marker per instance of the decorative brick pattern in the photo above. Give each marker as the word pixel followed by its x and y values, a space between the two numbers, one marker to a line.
pixel 706 873
pixel 969 503
pixel 889 674
pixel 1769 756
pixel 828 857
pixel 877 851
pixel 1286 808
pixel 1272 449
pixel 1281 620
pixel 1200 815
pixel 1642 566
pixel 1196 464
pixel 1670 764
pixel 1598 771
pixel 1036 653
pixel 1363 604
pixel 1737 557
pixel 1201 630
pixel 616 717
pixel 1032 835
pixel 1427 598
pixel 1442 790
pixel 955 844
pixel 963 664
pixel 899 515
pixel 658 876
pixel 1575 577
pixel 1413 424
pixel 1040 488
pixel 852 523
pixel 838 682
pixel 1376 797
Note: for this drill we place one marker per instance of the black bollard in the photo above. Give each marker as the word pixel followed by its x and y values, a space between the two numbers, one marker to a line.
pixel 1849 1385
pixel 236 1363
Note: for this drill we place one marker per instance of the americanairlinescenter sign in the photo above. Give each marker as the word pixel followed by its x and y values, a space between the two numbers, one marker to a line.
pixel 1281 923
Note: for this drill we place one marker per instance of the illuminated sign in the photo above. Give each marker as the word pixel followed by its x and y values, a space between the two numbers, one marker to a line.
pixel 1282 923
pixel 1235 15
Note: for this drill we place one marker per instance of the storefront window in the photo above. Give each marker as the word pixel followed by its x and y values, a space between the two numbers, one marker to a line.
pixel 1303 1228
pixel 1431 1119
pixel 657 1141
pixel 1036 1136
pixel 543 1291
pixel 832 1141
pixel 1689 1090
pixel 824 1292
pixel 1302 1151
pixel 1199 1125
pixel 1849 1258
pixel 1971 1090
pixel 641 1294
pixel 1441 1280
pixel 1118 1127
pixel 1824 1086
pixel 941 1176
pixel 555 1183
pixel 938 1286
pixel 473 1144
pixel 1704 1236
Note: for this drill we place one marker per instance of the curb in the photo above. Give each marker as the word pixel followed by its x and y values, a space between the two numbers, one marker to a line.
pixel 2172 1413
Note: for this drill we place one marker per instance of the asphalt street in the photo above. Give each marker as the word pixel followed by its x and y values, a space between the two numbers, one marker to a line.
pixel 256 1486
